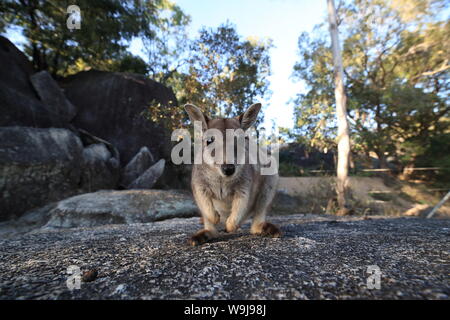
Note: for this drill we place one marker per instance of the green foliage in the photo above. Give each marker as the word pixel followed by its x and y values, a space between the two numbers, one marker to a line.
pixel 168 50
pixel 436 153
pixel 225 73
pixel 107 27
pixel 218 71
pixel 382 196
pixel 315 108
pixel 130 63
pixel 288 169
pixel 396 63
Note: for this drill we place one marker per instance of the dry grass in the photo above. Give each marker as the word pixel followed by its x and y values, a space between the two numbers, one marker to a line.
pixel 367 196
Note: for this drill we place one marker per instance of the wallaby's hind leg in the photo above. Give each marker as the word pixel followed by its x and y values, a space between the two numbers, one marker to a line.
pixel 261 227
pixel 204 235
pixel 267 229
pixel 262 204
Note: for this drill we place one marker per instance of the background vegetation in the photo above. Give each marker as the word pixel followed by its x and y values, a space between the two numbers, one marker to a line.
pixel 396 62
pixel 396 57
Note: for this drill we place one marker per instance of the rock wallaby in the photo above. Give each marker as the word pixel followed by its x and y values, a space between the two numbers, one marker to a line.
pixel 229 192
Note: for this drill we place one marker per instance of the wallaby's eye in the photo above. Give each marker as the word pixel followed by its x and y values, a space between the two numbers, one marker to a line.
pixel 209 141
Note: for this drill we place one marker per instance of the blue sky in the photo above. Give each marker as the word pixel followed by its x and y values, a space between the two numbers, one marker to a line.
pixel 280 20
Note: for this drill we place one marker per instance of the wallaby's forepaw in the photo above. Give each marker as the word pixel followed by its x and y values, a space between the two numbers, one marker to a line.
pixel 270 230
pixel 230 225
pixel 200 237
pixel 216 218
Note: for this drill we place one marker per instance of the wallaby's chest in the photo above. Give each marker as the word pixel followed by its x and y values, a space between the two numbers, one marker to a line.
pixel 222 199
pixel 223 208
pixel 221 191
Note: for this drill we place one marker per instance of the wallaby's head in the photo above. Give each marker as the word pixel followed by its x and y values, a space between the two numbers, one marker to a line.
pixel 224 157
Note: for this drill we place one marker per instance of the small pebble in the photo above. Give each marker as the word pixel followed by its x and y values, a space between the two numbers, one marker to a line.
pixel 89 275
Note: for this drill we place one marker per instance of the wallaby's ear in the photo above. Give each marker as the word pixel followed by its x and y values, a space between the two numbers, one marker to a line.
pixel 248 118
pixel 195 114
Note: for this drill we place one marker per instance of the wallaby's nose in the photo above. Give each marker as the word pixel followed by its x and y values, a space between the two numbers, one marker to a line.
pixel 228 169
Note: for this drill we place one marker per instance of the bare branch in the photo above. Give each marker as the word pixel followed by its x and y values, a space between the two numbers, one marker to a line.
pixel 444 67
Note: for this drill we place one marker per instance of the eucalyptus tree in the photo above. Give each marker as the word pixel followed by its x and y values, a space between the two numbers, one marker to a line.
pixel 396 65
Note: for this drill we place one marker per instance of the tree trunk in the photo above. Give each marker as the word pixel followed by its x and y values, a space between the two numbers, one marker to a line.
pixel 343 139
pixel 383 162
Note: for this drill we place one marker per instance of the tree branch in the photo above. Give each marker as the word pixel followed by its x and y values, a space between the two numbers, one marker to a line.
pixel 444 67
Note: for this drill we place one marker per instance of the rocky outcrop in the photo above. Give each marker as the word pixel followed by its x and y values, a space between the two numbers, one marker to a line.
pixel 52 96
pixel 137 166
pixel 89 139
pixel 112 106
pixel 19 103
pixel 101 168
pixel 118 207
pixel 318 257
pixel 39 166
pixel 104 207
pixel 50 149
pixel 148 179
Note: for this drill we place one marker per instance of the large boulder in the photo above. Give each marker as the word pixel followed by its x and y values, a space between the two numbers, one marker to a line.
pixel 52 96
pixel 19 103
pixel 112 106
pixel 38 166
pixel 118 207
pixel 102 208
pixel 16 68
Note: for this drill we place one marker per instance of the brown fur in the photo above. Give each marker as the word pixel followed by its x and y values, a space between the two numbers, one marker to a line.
pixel 200 237
pixel 231 200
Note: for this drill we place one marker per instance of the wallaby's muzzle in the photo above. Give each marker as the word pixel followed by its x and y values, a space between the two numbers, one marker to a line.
pixel 228 169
